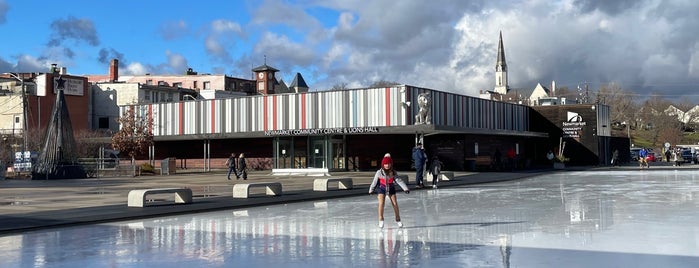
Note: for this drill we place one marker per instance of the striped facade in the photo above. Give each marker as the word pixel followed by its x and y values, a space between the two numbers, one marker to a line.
pixel 372 107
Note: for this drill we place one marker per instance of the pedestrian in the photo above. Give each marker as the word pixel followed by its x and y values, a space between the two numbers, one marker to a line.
pixel 511 158
pixel 642 154
pixel 242 167
pixel 498 159
pixel 435 170
pixel 231 164
pixel 419 157
pixel 550 156
pixel 668 154
pixel 383 184
pixel 615 158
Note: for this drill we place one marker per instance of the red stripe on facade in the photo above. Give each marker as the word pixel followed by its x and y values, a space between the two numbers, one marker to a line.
pixel 213 116
pixel 274 112
pixel 303 111
pixel 388 106
pixel 265 114
pixel 180 113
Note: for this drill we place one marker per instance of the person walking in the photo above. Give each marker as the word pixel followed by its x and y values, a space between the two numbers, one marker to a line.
pixel 435 170
pixel 242 167
pixel 642 154
pixel 383 184
pixel 615 158
pixel 419 157
pixel 231 164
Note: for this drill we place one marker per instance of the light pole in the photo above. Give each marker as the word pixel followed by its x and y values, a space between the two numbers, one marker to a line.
pixel 24 112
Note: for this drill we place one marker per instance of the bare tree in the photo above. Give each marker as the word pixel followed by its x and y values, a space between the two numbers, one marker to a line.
pixel 340 86
pixel 657 126
pixel 620 101
pixel 383 83
pixel 135 134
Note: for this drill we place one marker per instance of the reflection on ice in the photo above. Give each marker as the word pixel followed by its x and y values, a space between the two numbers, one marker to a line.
pixel 558 220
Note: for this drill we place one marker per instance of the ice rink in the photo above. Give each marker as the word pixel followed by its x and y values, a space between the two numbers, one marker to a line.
pixel 629 218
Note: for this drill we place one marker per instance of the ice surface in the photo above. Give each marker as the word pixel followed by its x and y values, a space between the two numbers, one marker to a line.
pixel 574 219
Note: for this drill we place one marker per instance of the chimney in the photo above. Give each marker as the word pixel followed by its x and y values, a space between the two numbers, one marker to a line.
pixel 113 70
pixel 64 70
pixel 553 88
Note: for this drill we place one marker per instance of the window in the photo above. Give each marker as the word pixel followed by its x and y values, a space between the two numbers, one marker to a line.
pixel 195 85
pixel 147 95
pixel 207 84
pixel 169 96
pixel 16 119
pixel 149 82
pixel 162 83
pixel 260 86
pixel 178 84
pixel 103 122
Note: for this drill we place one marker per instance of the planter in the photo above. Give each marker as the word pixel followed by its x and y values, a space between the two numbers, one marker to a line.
pixel 559 165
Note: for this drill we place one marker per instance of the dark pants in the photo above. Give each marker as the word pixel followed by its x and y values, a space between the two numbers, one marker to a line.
pixel 231 169
pixel 419 172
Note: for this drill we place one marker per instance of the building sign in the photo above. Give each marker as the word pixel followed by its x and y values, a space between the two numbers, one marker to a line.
pixel 322 131
pixel 573 125
pixel 70 86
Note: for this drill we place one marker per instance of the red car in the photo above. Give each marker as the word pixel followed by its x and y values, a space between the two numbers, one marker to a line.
pixel 650 157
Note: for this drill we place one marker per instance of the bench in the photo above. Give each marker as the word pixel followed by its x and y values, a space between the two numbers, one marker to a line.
pixel 137 198
pixel 242 190
pixel 443 176
pixel 322 184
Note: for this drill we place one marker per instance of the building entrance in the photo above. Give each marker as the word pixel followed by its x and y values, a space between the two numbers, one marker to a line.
pixel 310 152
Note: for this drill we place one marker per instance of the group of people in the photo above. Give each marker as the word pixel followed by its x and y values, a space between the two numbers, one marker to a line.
pixel 236 165
pixel 386 179
pixel 421 166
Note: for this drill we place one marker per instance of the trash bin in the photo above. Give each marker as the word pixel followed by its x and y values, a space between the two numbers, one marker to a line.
pixel 168 166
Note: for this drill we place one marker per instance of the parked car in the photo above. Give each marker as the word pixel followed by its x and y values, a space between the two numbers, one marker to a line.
pixel 687 155
pixel 651 157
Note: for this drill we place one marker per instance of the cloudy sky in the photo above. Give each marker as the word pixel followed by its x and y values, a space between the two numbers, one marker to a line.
pixel 645 46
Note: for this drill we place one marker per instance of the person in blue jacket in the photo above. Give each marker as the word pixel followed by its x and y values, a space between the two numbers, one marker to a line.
pixel 642 157
pixel 420 159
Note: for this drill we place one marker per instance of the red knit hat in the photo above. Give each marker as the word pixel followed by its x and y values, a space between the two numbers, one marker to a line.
pixel 387 160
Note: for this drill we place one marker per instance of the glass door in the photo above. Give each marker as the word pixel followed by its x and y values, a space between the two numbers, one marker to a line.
pixel 338 154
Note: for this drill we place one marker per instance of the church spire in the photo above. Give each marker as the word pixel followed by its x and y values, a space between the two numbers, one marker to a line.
pixel 501 65
pixel 501 70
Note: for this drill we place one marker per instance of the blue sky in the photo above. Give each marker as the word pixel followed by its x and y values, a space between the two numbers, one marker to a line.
pixel 645 46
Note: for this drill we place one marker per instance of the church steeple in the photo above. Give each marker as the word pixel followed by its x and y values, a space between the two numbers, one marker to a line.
pixel 501 70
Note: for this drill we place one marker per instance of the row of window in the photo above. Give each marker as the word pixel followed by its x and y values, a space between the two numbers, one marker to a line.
pixel 195 85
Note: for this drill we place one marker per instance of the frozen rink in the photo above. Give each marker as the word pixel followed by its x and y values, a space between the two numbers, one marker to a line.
pixel 630 218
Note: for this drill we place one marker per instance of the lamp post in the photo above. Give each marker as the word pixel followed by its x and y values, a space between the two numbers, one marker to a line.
pixel 24 112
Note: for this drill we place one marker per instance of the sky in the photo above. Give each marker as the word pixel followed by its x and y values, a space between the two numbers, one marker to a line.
pixel 649 47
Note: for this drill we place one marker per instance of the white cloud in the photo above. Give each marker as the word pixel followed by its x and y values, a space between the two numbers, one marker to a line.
pixel 136 68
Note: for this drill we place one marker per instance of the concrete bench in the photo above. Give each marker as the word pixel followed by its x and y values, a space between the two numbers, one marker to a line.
pixel 242 190
pixel 137 198
pixel 443 176
pixel 322 184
